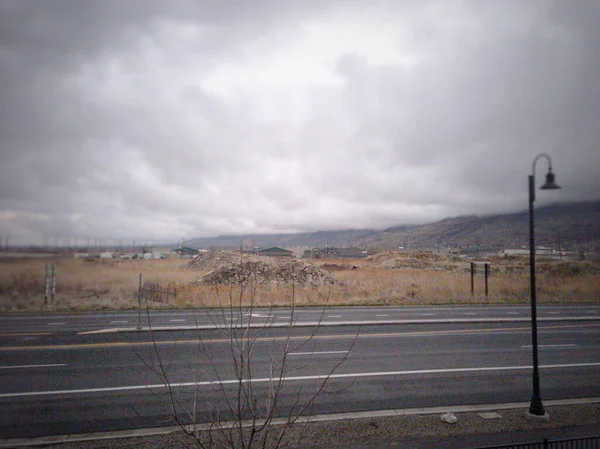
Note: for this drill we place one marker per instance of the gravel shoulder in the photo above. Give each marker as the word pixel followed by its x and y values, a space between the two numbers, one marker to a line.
pixel 407 431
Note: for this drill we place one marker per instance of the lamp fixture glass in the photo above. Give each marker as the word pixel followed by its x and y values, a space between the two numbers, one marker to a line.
pixel 550 184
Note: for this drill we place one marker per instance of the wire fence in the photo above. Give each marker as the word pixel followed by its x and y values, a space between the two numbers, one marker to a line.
pixel 156 293
pixel 572 443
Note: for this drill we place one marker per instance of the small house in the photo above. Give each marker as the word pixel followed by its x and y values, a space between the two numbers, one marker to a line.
pixel 275 251
pixel 186 252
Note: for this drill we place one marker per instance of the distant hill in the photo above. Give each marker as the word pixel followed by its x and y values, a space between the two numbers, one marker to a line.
pixel 343 238
pixel 577 225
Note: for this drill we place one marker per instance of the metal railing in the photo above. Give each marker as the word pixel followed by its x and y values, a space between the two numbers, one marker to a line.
pixel 572 443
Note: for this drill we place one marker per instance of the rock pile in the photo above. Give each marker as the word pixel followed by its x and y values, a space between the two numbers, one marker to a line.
pixel 215 259
pixel 226 267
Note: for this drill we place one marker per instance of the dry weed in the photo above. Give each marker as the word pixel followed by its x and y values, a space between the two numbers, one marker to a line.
pixel 388 278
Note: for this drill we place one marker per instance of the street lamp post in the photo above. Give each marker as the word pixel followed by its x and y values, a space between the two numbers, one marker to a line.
pixel 536 407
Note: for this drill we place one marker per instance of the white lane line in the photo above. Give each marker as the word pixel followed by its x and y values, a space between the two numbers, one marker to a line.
pixel 470 313
pixel 177 321
pixel 118 322
pixel 284 317
pixel 381 315
pixel 427 314
pixel 51 365
pixel 551 346
pixel 334 316
pixel 56 324
pixel 318 352
pixel 295 378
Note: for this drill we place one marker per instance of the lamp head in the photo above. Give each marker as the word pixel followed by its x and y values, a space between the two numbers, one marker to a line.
pixel 550 184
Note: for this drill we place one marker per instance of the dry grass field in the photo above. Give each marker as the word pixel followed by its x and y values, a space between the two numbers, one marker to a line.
pixel 383 279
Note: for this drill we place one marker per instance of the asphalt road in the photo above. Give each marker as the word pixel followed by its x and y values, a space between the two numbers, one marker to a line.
pixel 66 382
pixel 92 321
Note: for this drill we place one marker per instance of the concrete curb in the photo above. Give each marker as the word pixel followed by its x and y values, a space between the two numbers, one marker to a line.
pixel 338 323
pixel 71 438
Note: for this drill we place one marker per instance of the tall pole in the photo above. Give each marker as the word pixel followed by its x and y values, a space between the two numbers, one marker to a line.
pixel 536 407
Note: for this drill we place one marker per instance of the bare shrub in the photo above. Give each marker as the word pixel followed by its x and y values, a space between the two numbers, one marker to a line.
pixel 253 410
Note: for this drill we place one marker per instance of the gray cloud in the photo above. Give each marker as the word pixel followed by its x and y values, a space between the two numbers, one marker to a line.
pixel 155 120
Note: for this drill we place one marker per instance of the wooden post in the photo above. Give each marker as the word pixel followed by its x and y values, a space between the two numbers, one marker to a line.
pixel 140 304
pixel 487 273
pixel 472 278
pixel 47 284
pixel 53 291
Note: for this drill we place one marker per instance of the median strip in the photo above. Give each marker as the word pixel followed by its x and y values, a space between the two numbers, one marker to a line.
pixel 324 323
pixel 360 335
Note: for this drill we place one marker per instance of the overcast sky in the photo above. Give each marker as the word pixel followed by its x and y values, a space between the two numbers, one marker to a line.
pixel 162 120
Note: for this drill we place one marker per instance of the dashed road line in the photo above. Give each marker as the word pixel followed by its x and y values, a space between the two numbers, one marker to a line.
pixel 50 365
pixel 551 346
pixel 318 352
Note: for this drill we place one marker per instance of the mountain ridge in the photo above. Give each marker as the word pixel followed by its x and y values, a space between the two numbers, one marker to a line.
pixel 570 225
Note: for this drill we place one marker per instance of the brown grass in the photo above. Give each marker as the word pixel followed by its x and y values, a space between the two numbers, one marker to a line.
pixel 389 278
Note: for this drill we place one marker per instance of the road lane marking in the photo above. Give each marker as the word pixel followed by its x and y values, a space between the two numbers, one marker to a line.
pixel 324 377
pixel 427 314
pixel 177 320
pixel 50 365
pixel 118 322
pixel 551 346
pixel 432 333
pixel 334 316
pixel 25 334
pixel 56 324
pixel 470 313
pixel 318 352
pixel 381 315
